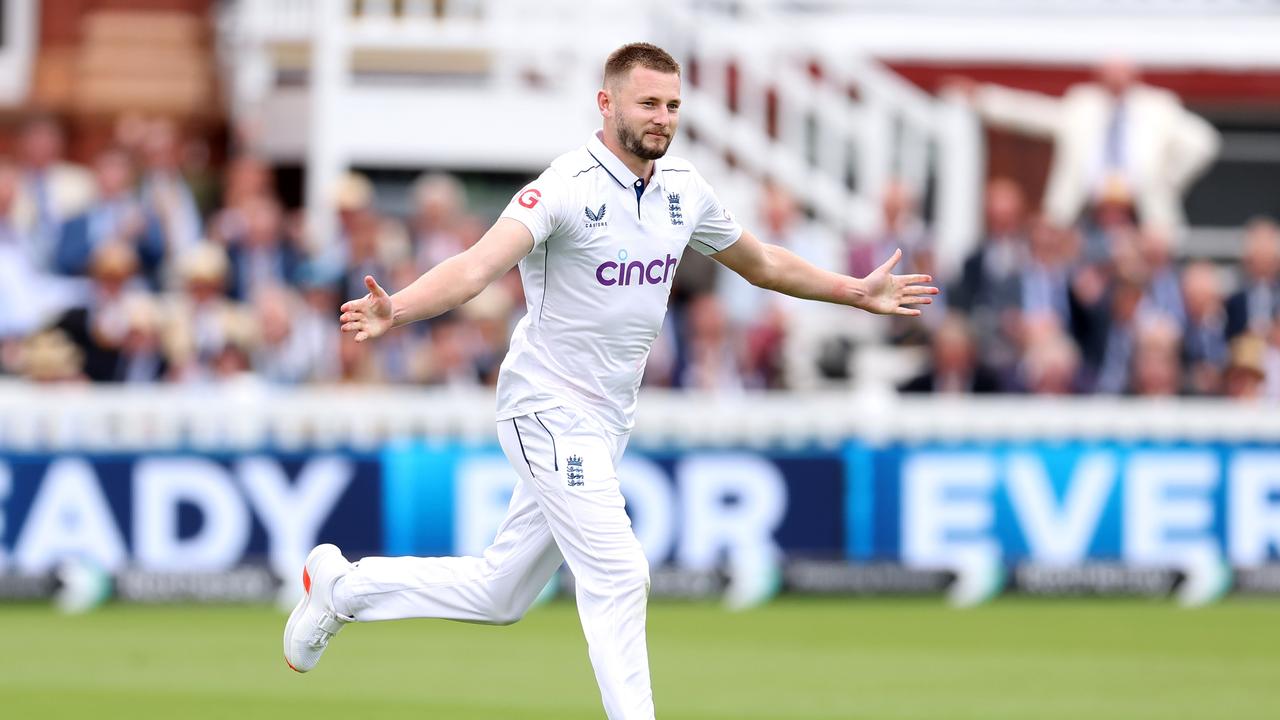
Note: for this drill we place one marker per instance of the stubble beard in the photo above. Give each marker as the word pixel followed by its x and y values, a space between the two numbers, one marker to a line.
pixel 634 144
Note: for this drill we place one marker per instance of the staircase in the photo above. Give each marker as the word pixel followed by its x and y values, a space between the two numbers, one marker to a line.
pixel 510 85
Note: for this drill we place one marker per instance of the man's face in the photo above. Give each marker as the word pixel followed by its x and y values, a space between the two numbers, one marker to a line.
pixel 643 109
pixel 41 145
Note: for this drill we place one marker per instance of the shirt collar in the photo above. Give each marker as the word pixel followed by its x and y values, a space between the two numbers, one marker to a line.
pixel 617 169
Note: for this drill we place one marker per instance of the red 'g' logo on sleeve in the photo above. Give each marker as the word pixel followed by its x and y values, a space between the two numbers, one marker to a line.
pixel 529 197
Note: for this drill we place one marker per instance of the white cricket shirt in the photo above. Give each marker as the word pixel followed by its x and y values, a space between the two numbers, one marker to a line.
pixel 605 250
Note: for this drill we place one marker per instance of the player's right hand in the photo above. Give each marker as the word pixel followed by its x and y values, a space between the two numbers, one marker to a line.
pixel 370 316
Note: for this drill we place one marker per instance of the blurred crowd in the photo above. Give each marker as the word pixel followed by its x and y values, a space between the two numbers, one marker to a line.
pixel 144 267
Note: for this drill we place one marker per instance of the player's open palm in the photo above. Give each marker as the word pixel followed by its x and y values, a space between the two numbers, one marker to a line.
pixel 889 294
pixel 370 316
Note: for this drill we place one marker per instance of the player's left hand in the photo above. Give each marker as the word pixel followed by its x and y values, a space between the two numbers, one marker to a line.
pixel 889 294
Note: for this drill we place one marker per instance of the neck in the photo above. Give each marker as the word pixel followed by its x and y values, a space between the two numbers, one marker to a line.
pixel 641 167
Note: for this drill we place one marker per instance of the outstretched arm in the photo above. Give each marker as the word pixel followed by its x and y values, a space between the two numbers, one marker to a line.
pixel 443 287
pixel 775 268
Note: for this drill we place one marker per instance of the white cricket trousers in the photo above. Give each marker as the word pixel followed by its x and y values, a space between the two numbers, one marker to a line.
pixel 567 506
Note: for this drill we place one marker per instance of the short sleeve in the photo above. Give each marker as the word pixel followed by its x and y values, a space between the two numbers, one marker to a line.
pixel 538 206
pixel 716 229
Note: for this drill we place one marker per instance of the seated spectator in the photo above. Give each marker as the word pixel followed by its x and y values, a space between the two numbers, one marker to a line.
pixel 51 191
pixel 26 300
pixel 712 362
pixel 1204 345
pixel 246 179
pixel 116 216
pixel 954 367
pixel 1156 360
pixel 1246 374
pixel 1108 338
pixel 202 317
pixel 260 254
pixel 990 286
pixel 1164 292
pixel 1051 363
pixel 101 326
pixel 166 194
pixel 283 353
pixel 901 227
pixel 438 220
pixel 1046 280
pixel 50 357
pixel 141 354
pixel 1252 308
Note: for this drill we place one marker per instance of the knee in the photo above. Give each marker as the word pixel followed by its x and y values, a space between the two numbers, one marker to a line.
pixel 507 611
pixel 506 616
pixel 634 578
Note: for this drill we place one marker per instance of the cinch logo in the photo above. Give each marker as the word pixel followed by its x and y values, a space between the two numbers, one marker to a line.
pixel 635 272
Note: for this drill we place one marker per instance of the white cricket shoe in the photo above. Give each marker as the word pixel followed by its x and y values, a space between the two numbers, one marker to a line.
pixel 314 622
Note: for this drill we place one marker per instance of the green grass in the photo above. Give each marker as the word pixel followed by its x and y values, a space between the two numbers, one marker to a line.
pixel 794 660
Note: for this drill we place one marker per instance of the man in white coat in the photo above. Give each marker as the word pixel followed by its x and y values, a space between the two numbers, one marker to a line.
pixel 1115 137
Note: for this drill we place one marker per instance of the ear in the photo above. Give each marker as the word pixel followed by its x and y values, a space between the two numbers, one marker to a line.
pixel 604 102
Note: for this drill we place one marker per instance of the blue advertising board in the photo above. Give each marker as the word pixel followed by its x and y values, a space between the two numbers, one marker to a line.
pixel 1141 504
pixel 691 508
pixel 184 512
pixel 922 505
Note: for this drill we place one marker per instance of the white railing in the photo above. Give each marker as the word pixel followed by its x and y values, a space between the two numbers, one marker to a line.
pixel 839 135
pixel 834 152
pixel 21 23
pixel 238 416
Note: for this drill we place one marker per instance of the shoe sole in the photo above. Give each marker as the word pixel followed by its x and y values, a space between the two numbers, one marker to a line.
pixel 301 608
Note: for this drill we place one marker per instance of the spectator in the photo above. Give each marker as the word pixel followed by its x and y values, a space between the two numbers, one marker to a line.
pixel 1246 369
pixel 1156 360
pixel 166 195
pixel 116 216
pixel 990 285
pixel 260 254
pixel 50 357
pixel 954 368
pixel 1046 281
pixel 439 218
pixel 247 179
pixel 204 322
pixel 99 328
pixel 1114 135
pixel 1164 290
pixel 27 297
pixel 1252 308
pixel 1109 336
pixel 901 227
pixel 1051 365
pixel 712 362
pixel 52 190
pixel 141 357
pixel 283 354
pixel 1204 345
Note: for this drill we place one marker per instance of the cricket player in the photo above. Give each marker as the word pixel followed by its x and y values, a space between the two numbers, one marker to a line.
pixel 598 237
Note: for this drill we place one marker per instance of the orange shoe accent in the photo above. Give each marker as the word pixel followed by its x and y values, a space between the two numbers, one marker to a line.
pixel 306 580
pixel 291 667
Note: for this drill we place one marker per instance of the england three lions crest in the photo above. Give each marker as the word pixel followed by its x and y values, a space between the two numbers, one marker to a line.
pixel 573 470
pixel 673 206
